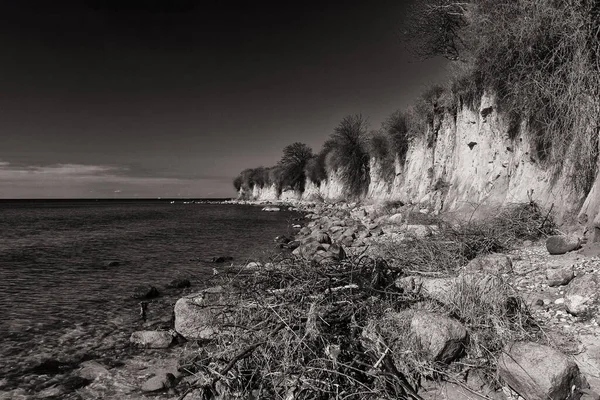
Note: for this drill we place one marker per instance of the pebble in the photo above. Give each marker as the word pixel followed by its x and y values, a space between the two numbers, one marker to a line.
pixel 559 301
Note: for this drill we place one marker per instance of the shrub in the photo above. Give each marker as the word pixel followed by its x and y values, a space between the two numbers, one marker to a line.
pixel 292 165
pixel 348 154
pixel 237 183
pixel 397 127
pixel 382 150
pixel 315 169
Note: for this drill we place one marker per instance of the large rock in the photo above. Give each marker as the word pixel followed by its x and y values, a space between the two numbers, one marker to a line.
pixel 581 297
pixel 538 372
pixel 442 338
pixel 492 263
pixel 200 315
pixel 561 244
pixel 151 339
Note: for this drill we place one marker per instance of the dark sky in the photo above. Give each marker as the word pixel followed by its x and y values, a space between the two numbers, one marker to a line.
pixel 174 98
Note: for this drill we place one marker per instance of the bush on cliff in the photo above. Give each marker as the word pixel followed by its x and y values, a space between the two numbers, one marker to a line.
pixel 315 169
pixel 348 154
pixel 381 149
pixel 293 165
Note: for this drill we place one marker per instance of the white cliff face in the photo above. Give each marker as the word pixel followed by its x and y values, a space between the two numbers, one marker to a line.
pixel 472 163
pixel 380 188
pixel 268 193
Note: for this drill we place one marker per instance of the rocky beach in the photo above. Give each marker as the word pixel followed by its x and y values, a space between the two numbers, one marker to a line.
pixel 369 301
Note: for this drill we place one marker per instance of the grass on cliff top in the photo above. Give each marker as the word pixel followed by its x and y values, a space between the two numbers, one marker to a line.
pixel 307 331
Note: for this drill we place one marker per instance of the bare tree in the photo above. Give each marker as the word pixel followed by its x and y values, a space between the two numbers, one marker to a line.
pixel 434 28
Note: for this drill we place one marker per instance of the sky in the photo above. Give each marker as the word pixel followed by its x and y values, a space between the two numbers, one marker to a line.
pixel 173 98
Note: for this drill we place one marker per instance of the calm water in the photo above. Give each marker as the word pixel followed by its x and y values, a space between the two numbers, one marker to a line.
pixel 56 290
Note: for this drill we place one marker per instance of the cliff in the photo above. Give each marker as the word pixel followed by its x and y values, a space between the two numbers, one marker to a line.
pixel 469 160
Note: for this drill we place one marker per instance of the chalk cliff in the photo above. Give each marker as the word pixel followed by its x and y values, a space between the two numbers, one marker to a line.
pixel 469 159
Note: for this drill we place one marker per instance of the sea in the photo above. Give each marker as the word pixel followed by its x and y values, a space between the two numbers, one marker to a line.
pixel 68 270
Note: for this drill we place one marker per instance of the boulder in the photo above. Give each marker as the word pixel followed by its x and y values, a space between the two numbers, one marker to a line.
pixel 200 315
pixel 151 339
pixel 145 292
pixel 538 372
pixel 561 244
pixel 492 263
pixel 442 338
pixel 559 276
pixel 581 296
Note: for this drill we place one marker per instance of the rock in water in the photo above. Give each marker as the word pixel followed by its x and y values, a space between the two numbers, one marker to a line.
pixel 581 296
pixel 145 292
pixel 443 338
pixel 221 259
pixel 179 283
pixel 151 339
pixel 271 209
pixel 560 244
pixel 159 382
pixel 538 372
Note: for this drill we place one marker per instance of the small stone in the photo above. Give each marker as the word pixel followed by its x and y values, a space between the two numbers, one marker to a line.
pixel 559 301
pixel 159 382
pixel 559 276
pixel 151 339
pixel 582 294
pixel 92 370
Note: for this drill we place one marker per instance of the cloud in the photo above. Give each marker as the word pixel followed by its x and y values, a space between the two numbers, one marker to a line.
pixel 83 180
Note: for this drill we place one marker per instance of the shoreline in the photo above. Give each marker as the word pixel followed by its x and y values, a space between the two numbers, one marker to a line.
pixel 165 373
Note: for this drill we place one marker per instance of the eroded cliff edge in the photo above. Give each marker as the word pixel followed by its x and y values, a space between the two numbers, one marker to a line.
pixel 470 160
